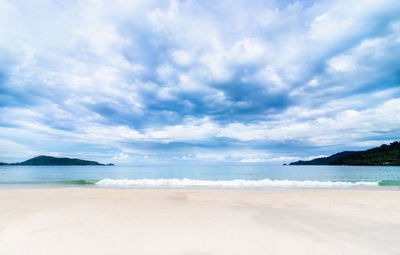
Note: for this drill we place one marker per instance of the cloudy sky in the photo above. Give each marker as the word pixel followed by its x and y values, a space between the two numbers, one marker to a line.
pixel 171 81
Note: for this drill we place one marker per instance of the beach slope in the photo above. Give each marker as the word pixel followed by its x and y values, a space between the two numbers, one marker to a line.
pixel 193 222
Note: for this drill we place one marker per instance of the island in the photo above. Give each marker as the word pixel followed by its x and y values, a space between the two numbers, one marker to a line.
pixel 384 155
pixel 54 161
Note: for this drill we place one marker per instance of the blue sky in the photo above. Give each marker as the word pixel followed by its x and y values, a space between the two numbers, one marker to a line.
pixel 149 81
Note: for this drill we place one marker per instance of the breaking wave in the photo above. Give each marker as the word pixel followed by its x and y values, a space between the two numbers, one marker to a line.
pixel 230 184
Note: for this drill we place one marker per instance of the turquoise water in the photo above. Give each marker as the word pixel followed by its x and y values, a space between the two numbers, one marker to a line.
pixel 218 176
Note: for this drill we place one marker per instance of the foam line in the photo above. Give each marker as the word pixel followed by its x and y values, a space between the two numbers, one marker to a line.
pixel 190 183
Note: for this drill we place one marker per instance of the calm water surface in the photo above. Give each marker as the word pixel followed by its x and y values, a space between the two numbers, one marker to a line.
pixel 232 176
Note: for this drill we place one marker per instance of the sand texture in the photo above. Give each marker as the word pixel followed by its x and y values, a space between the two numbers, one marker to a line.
pixel 194 222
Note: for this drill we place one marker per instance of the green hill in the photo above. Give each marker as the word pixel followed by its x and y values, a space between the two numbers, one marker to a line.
pixel 323 161
pixel 384 155
pixel 53 161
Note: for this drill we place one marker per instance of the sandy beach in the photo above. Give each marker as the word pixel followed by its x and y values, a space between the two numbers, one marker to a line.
pixel 132 221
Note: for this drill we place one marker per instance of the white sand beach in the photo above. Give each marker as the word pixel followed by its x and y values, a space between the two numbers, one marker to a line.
pixel 133 221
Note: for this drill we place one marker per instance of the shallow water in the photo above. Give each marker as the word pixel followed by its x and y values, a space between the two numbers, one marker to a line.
pixel 210 176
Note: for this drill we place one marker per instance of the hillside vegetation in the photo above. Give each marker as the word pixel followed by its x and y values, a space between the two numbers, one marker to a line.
pixel 384 155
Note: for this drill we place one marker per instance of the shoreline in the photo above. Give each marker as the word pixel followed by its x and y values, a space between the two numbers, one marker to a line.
pixel 82 220
pixel 194 188
pixel 185 183
pixel 96 187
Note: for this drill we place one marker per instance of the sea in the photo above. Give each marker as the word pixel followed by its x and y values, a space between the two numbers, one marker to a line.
pixel 203 176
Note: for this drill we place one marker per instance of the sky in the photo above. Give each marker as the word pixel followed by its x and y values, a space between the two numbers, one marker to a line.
pixel 168 81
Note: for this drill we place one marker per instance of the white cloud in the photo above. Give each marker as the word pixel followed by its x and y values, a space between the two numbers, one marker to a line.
pixel 102 73
pixel 182 58
pixel 248 50
pixel 342 64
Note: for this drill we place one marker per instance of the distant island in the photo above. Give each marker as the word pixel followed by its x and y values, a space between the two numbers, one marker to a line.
pixel 54 161
pixel 384 155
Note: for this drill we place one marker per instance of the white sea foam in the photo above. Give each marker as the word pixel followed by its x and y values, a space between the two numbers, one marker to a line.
pixel 235 184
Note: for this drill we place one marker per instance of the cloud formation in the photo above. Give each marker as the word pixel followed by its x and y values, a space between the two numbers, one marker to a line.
pixel 146 81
